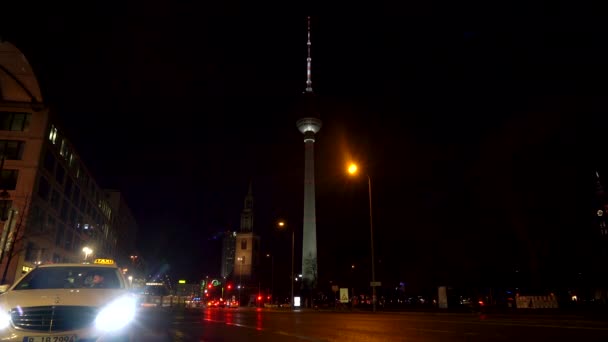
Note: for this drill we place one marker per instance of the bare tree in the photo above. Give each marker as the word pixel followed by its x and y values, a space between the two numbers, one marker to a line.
pixel 310 268
pixel 14 243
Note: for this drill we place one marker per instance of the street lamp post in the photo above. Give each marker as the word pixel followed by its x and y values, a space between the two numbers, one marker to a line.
pixel 271 256
pixel 352 170
pixel 282 225
pixel 240 278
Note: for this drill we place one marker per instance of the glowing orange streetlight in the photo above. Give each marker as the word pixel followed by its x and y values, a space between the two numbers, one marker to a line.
pixel 352 169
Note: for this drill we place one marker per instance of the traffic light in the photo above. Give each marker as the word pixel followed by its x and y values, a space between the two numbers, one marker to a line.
pixel 209 286
pixel 229 286
pixel 259 297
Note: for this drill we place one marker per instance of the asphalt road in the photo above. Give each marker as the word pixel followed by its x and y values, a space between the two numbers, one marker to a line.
pixel 263 325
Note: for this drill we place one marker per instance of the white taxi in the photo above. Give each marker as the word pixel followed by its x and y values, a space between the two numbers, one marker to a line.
pixel 68 303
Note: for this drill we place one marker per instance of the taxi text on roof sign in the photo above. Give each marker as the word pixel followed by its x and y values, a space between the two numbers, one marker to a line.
pixel 104 261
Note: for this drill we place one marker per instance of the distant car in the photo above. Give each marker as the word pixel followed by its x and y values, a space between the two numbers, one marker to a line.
pixel 68 303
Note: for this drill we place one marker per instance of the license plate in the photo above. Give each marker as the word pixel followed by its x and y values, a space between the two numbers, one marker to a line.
pixel 64 338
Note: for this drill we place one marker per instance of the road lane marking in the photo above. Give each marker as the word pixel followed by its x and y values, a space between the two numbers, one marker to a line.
pixel 301 337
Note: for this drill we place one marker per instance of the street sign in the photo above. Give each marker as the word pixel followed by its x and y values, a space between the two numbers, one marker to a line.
pixel 343 295
pixel 375 283
pixel 334 288
pixel 443 297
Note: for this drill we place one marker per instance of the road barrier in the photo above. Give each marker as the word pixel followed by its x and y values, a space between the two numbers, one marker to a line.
pixel 536 302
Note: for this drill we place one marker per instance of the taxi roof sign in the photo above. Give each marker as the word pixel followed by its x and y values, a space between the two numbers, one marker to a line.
pixel 104 261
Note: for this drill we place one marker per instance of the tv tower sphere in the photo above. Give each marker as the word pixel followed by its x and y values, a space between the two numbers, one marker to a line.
pixel 309 125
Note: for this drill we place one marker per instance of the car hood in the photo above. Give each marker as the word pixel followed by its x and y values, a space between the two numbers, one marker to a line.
pixel 77 297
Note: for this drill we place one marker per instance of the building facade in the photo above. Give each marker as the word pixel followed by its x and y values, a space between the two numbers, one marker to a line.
pixel 50 206
pixel 228 250
pixel 124 225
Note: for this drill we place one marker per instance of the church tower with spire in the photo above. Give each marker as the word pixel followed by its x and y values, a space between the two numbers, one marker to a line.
pixel 247 214
pixel 247 249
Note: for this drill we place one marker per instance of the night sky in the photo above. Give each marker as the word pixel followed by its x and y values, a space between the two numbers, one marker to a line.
pixel 468 134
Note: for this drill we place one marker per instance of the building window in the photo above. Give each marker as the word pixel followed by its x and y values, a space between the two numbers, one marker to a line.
pixel 31 252
pixel 14 121
pixel 12 149
pixel 50 225
pixel 83 203
pixel 71 160
pixel 55 200
pixel 59 235
pixel 73 217
pixel 49 161
pixel 85 182
pixel 64 210
pixel 60 174
pixel 37 220
pixel 63 150
pixel 43 188
pixel 76 196
pixel 68 188
pixel 68 240
pixel 8 179
pixel 77 243
pixel 243 244
pixel 5 206
pixel 53 134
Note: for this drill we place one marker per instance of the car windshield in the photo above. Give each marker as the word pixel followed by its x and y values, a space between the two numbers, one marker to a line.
pixel 70 277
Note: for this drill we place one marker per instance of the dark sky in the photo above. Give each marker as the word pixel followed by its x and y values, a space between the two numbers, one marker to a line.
pixel 468 133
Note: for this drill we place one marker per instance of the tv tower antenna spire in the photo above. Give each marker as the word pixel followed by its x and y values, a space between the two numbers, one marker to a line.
pixel 308 63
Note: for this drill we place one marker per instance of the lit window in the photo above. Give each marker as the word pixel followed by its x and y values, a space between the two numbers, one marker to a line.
pixel 71 159
pixel 64 148
pixel 53 134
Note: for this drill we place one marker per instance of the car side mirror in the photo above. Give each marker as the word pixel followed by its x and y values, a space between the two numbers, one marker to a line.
pixel 4 287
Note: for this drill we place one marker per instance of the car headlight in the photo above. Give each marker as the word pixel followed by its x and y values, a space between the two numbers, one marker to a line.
pixel 5 320
pixel 117 314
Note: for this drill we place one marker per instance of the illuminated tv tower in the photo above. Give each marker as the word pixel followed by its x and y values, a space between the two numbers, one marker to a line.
pixel 309 125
